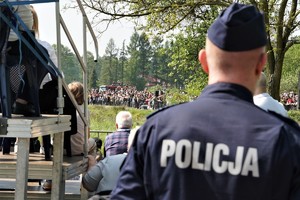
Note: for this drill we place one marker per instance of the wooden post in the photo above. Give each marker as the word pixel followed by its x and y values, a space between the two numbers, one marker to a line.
pixel 58 184
pixel 22 168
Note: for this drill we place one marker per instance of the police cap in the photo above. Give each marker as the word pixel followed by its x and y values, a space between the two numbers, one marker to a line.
pixel 238 28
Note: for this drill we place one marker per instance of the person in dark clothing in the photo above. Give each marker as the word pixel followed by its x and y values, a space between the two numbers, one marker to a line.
pixel 26 87
pixel 220 146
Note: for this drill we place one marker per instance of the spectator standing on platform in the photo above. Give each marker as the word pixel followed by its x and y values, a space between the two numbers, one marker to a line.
pixel 24 11
pixel 263 100
pixel 23 104
pixel 220 146
pixel 116 142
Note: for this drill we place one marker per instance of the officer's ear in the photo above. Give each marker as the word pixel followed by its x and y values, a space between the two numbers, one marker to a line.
pixel 203 60
pixel 261 63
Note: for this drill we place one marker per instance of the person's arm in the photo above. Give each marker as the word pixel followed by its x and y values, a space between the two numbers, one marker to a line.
pixel 91 179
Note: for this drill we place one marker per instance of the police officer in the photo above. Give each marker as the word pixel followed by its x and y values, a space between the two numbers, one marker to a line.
pixel 220 146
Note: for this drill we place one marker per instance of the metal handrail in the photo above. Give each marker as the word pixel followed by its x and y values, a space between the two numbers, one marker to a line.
pixel 81 61
pixel 100 132
pixel 22 2
pixel 90 28
pixel 64 26
pixel 83 64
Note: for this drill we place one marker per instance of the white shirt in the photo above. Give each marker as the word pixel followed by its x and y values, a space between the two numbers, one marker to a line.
pixel 52 56
pixel 266 102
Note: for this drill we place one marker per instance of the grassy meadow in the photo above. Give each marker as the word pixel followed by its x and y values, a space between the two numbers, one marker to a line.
pixel 103 118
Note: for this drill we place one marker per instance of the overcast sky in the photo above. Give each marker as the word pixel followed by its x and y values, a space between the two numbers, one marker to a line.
pixel 46 13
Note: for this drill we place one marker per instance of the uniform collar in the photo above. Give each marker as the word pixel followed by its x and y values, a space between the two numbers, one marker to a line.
pixel 227 90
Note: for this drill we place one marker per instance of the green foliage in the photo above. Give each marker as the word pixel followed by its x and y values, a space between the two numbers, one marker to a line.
pixel 161 17
pixel 176 96
pixel 291 69
pixel 173 62
pixel 92 71
pixel 155 88
pixel 295 115
pixel 131 71
pixel 138 66
pixel 161 58
pixel 186 68
pixel 69 65
pixel 109 65
pixel 194 87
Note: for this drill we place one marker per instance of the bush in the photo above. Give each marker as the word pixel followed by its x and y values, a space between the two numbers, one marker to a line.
pixel 176 96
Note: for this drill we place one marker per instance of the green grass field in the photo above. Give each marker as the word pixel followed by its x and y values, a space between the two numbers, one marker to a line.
pixel 103 118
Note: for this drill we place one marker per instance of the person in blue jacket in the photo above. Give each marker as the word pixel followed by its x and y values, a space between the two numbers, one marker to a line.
pixel 220 146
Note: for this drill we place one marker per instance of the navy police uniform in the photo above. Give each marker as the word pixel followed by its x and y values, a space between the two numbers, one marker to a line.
pixel 220 146
pixel 189 152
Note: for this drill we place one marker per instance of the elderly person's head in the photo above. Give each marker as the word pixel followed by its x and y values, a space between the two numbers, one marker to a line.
pixel 124 120
pixel 235 47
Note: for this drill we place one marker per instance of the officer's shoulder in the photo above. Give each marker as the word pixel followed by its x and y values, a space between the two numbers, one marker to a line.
pixel 286 120
pixel 163 109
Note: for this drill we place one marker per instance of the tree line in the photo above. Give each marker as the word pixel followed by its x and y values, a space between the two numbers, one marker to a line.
pixel 193 17
pixel 170 63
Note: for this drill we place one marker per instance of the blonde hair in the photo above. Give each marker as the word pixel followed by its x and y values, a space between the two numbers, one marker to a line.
pixel 132 136
pixel 77 90
pixel 35 26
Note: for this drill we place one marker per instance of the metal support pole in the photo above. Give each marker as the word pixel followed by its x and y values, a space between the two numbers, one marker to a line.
pixel 298 100
pixel 84 19
pixel 84 193
pixel 58 184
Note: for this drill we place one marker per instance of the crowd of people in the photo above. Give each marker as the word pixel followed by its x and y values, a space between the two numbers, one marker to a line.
pixel 127 96
pixel 289 100
pixel 131 97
